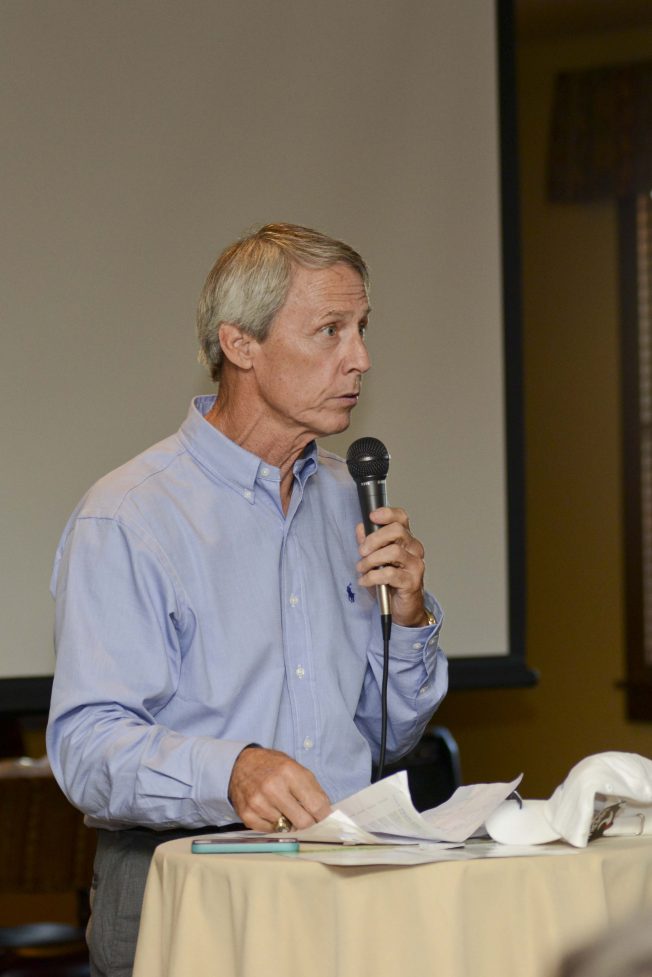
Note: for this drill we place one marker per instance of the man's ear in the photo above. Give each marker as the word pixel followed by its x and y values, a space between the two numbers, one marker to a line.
pixel 236 345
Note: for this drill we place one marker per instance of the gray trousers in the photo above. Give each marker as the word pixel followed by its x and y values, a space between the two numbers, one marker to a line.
pixel 120 871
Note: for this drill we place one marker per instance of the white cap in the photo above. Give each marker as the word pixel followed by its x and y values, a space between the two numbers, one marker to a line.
pixel 609 793
pixel 517 822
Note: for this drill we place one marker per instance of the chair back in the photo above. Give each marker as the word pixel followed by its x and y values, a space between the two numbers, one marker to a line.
pixel 433 768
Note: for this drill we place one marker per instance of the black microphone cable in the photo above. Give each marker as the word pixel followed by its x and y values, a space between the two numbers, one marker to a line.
pixel 383 703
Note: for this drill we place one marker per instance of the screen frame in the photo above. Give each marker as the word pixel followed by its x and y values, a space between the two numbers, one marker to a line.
pixel 510 670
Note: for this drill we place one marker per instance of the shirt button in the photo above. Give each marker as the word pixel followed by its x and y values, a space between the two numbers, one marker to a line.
pixel 423 689
pixel 417 645
pixel 247 494
pixel 294 600
pixel 308 743
pixel 264 472
pixel 300 671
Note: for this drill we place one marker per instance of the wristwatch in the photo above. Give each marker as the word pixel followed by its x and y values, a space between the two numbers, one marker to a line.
pixel 432 620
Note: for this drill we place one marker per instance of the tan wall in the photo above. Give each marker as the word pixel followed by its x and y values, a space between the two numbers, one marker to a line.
pixel 574 528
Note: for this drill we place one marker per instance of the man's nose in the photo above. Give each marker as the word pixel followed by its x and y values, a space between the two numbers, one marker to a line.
pixel 358 358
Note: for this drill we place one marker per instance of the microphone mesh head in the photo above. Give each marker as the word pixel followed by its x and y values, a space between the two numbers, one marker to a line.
pixel 367 458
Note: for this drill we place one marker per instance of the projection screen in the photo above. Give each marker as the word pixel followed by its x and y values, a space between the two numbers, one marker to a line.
pixel 143 136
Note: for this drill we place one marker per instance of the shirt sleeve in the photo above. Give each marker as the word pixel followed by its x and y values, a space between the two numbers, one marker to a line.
pixel 417 683
pixel 119 612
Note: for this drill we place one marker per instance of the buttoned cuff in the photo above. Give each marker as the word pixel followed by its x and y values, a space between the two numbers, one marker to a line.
pixel 418 643
pixel 217 759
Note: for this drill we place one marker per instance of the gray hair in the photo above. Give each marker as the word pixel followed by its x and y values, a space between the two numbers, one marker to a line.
pixel 250 281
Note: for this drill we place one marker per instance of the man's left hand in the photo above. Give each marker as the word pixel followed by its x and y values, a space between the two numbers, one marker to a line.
pixel 393 556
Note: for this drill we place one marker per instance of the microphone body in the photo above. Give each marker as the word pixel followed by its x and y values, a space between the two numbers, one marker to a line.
pixel 372 495
pixel 368 462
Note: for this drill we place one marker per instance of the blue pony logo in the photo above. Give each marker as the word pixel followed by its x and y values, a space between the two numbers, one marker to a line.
pixel 350 594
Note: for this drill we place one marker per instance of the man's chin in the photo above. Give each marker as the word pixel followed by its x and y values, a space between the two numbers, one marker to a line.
pixel 336 425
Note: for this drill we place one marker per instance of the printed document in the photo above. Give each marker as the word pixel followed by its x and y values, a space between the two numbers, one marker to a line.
pixel 384 814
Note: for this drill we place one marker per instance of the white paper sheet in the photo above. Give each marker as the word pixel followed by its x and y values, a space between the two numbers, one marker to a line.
pixel 420 854
pixel 384 811
pixel 466 811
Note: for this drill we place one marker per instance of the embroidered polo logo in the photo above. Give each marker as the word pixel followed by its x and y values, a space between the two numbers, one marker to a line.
pixel 350 594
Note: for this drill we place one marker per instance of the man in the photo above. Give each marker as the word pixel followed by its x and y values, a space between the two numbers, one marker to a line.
pixel 219 651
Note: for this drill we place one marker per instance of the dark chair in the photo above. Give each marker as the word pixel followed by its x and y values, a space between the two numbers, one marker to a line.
pixel 45 848
pixel 433 768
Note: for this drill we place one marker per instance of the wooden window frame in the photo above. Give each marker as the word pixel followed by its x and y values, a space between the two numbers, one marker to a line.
pixel 635 258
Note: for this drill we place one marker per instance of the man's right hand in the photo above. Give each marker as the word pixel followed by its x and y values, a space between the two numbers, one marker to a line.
pixel 266 784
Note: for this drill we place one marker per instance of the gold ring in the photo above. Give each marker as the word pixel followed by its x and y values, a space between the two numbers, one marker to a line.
pixel 282 824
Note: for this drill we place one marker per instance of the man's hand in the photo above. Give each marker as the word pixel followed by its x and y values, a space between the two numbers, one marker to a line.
pixel 266 784
pixel 393 556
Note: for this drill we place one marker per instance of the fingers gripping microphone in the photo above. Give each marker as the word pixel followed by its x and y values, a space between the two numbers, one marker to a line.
pixel 368 462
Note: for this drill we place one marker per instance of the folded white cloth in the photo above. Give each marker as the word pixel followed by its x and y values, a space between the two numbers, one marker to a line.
pixel 605 794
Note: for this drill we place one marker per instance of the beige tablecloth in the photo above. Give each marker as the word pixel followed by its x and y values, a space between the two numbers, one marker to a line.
pixel 275 916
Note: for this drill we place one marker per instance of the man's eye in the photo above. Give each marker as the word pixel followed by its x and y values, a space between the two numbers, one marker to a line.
pixel 330 330
pixel 363 331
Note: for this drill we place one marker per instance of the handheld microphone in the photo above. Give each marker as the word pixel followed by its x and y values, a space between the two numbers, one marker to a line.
pixel 368 462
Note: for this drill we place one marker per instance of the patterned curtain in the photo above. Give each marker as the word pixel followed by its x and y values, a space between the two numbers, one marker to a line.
pixel 601 133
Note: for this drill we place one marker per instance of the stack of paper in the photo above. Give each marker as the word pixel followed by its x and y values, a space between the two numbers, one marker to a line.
pixel 384 814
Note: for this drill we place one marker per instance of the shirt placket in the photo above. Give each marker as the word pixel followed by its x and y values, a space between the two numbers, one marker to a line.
pixel 298 649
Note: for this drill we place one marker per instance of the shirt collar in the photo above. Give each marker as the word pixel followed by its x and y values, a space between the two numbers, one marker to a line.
pixel 227 460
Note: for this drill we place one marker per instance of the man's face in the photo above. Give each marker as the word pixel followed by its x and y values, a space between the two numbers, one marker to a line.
pixel 310 367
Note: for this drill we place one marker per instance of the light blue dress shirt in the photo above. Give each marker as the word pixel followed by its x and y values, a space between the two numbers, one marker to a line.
pixel 194 617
